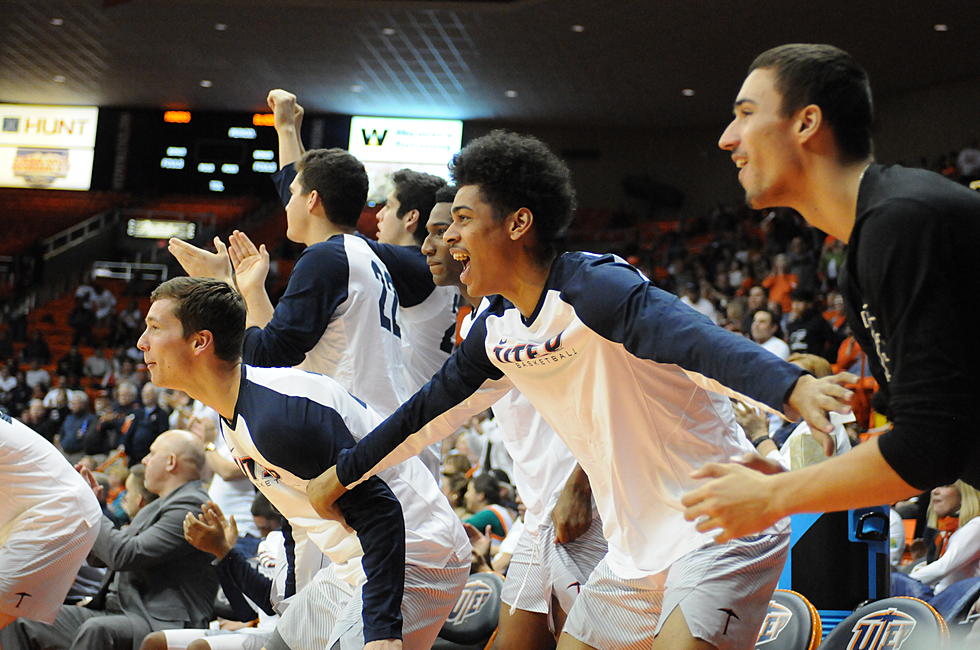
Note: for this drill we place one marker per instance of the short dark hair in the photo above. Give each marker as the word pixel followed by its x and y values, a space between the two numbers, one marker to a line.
pixel 446 194
pixel 262 507
pixel 488 486
pixel 827 76
pixel 205 304
pixel 519 171
pixel 416 191
pixel 340 180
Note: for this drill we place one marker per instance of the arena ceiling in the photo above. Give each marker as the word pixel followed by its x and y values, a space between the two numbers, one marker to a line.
pixel 584 62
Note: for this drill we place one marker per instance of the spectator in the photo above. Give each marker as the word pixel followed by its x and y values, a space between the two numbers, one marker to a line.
pixel 82 320
pixel 757 299
pixel 20 396
pixel 85 294
pixel 136 496
pixel 780 283
pixel 454 486
pixel 72 436
pixel 806 331
pixel 97 366
pixel 692 298
pixel 72 363
pixel 482 500
pixel 37 376
pixel 104 305
pixel 156 580
pixel 7 385
pixel 36 417
pixel 37 349
pixel 148 422
pixel 765 328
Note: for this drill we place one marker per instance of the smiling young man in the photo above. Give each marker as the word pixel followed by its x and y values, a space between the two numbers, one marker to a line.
pixel 635 383
pixel 284 427
pixel 562 540
pixel 801 138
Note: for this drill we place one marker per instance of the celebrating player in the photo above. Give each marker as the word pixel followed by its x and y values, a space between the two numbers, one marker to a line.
pixel 284 427
pixel 801 137
pixel 636 384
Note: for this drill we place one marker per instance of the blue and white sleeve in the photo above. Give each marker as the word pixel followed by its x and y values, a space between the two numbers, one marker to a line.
pixel 618 303
pixel 316 287
pixel 466 384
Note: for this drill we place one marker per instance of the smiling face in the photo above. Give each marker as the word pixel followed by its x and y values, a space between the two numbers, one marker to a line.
pixel 166 351
pixel 762 142
pixel 945 500
pixel 480 241
pixel 445 270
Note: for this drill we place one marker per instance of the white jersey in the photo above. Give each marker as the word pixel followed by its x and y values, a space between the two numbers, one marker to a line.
pixel 429 335
pixel 38 481
pixel 289 426
pixel 542 461
pixel 338 317
pixel 233 497
pixel 636 383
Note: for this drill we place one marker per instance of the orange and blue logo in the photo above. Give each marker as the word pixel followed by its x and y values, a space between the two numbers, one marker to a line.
pixel 777 618
pixel 886 629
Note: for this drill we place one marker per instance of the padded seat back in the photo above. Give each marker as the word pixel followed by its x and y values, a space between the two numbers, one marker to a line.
pixel 791 623
pixel 898 623
pixel 474 618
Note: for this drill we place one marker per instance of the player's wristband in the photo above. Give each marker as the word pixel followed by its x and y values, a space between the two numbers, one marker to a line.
pixel 759 441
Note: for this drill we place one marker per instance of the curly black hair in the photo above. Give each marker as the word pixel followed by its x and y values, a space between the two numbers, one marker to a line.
pixel 340 180
pixel 446 194
pixel 519 171
pixel 416 191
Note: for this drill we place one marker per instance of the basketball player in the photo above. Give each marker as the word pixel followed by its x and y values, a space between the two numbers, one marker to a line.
pixel 562 538
pixel 801 138
pixel 284 426
pixel 635 383
pixel 49 521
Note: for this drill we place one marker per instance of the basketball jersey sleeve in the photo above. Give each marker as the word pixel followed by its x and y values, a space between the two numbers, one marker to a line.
pixel 466 384
pixel 317 286
pixel 238 578
pixel 614 300
pixel 409 271
pixel 282 180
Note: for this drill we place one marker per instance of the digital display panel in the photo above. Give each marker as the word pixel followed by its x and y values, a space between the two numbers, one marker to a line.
pixel 387 144
pixel 47 147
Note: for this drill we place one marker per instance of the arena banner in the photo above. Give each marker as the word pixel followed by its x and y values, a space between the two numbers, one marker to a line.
pixel 387 144
pixel 47 147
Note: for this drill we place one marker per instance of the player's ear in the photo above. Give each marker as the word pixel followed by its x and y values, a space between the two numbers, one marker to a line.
pixel 809 121
pixel 411 221
pixel 314 199
pixel 520 223
pixel 201 341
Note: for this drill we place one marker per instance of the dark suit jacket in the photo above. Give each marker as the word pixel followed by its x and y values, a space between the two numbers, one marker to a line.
pixel 157 575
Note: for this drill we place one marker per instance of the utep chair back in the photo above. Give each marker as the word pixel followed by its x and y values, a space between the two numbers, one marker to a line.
pixel 898 623
pixel 474 618
pixel 791 623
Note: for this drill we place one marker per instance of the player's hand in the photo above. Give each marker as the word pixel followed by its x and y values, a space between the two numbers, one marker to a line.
pixel 90 479
pixel 285 111
pixel 812 399
pixel 323 492
pixel 479 541
pixel 752 420
pixel 199 263
pixel 251 264
pixel 739 501
pixel 207 533
pixel 212 513
pixel 572 513
pixel 387 644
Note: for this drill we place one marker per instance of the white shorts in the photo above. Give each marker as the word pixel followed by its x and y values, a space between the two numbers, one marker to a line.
pixel 249 638
pixel 328 610
pixel 722 589
pixel 541 568
pixel 40 555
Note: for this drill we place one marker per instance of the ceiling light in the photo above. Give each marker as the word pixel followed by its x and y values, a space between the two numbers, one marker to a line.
pixel 688 92
pixel 206 83
pixel 511 93
pixel 57 22
pixel 59 79
pixel 220 27
pixel 578 28
pixel 941 27
pixel 356 88
pixel 388 31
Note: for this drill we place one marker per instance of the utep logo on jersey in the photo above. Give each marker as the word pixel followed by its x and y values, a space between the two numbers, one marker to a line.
pixel 523 355
pixel 886 629
pixel 777 618
pixel 472 599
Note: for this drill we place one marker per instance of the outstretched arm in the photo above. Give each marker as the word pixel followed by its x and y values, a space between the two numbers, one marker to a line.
pixel 741 501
